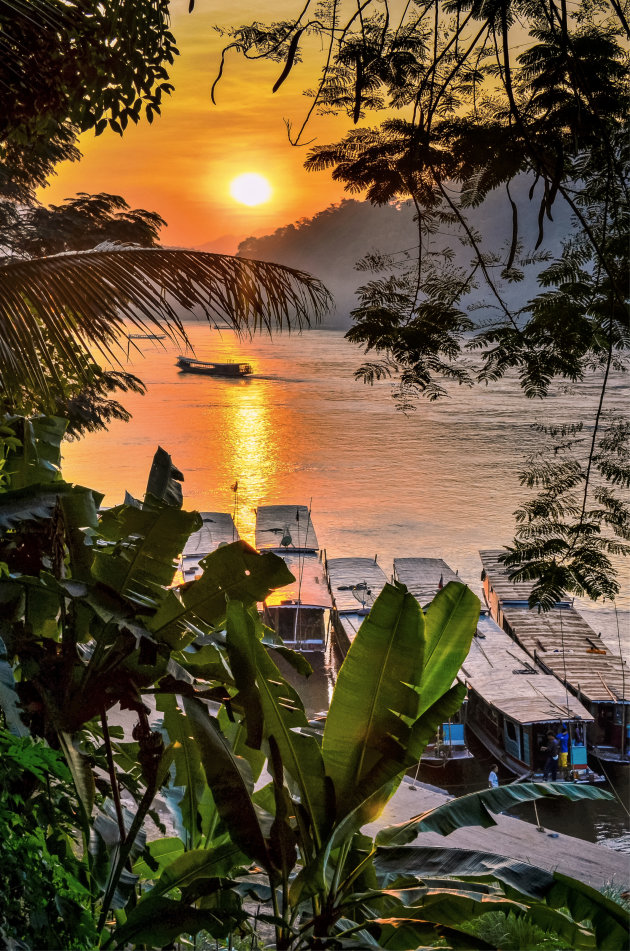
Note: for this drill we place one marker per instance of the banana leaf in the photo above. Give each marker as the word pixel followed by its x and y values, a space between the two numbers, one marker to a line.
pixel 235 571
pixel 36 501
pixel 425 862
pixel 157 856
pixel 449 625
pixel 375 700
pixel 189 774
pixel 475 809
pixel 82 775
pixel 158 922
pixel 230 781
pixel 164 483
pixel 9 700
pixel 271 701
pixel 379 785
pixel 139 563
pixel 37 460
pixel 521 882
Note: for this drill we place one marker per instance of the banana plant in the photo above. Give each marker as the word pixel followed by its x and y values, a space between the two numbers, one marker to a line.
pixel 324 883
pixel 270 810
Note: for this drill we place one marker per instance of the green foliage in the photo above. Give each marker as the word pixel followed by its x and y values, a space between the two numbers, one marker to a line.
pixel 43 901
pixel 515 934
pixel 97 625
pixel 73 67
pixel 486 99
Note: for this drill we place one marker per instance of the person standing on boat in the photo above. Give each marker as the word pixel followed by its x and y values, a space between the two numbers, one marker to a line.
pixel 493 778
pixel 551 763
pixel 563 742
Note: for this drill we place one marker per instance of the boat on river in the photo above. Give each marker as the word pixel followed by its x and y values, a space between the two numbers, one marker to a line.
pixel 562 643
pixel 424 578
pixel 512 705
pixel 231 368
pixel 300 613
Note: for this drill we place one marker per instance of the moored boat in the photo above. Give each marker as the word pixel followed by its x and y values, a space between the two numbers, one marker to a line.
pixel 300 613
pixel 355 583
pixel 513 705
pixel 208 368
pixel 424 578
pixel 562 643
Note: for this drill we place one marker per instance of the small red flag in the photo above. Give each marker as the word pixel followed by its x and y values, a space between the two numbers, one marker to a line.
pixel 235 487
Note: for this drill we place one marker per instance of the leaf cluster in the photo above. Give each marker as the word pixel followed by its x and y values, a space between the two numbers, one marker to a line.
pixel 71 67
pixel 95 623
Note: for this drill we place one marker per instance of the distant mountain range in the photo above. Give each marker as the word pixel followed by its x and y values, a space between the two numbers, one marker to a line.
pixel 330 244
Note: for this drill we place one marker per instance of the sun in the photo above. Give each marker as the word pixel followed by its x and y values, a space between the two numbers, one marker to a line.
pixel 250 189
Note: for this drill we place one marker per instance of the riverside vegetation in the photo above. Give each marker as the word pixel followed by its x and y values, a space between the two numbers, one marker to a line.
pixel 90 623
pixel 88 620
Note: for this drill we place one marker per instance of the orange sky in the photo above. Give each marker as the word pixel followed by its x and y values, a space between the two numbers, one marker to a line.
pixel 181 165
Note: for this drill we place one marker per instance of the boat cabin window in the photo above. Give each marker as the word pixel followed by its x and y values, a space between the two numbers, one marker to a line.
pixel 511 729
pixel 307 624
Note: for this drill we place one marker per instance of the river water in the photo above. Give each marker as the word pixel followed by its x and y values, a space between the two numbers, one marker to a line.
pixel 440 482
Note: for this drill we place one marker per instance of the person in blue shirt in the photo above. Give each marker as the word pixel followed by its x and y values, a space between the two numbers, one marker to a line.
pixel 493 779
pixel 563 743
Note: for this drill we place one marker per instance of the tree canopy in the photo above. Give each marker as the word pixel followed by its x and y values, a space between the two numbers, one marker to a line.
pixel 470 96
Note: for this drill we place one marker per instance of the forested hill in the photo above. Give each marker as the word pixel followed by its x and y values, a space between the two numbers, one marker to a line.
pixel 330 244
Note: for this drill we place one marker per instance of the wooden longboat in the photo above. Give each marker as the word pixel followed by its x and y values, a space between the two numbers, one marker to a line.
pixel 562 643
pixel 423 578
pixel 218 529
pixel 513 705
pixel 300 613
pixel 231 368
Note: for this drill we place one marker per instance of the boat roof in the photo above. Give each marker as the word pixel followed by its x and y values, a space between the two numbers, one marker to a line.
pixel 309 589
pixel 505 676
pixel 218 529
pixel 422 576
pixel 506 590
pixel 212 363
pixel 566 644
pixel 285 528
pixel 344 574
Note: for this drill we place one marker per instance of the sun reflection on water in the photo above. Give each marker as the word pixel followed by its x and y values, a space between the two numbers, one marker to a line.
pixel 252 451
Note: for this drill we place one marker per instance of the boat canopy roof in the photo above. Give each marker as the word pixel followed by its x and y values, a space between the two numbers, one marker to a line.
pixel 506 590
pixel 310 588
pixel 355 583
pixel 218 529
pixel 567 645
pixel 285 528
pixel 422 576
pixel 505 677
pixel 192 361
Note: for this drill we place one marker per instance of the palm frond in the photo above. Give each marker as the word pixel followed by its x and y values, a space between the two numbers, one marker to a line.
pixel 51 305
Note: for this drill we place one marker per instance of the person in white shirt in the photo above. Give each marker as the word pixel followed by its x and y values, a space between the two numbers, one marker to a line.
pixel 493 779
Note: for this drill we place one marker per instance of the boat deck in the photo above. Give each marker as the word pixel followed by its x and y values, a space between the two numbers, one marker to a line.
pixel 285 528
pixel 355 583
pixel 423 577
pixel 567 645
pixel 309 589
pixel 503 588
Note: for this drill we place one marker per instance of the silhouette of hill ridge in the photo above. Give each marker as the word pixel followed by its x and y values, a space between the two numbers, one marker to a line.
pixel 329 244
